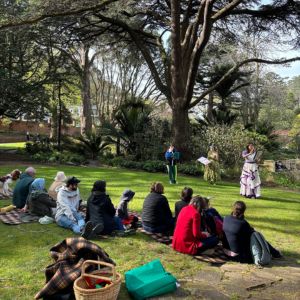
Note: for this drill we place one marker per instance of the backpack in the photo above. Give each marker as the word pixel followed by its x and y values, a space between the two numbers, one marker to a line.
pixel 260 249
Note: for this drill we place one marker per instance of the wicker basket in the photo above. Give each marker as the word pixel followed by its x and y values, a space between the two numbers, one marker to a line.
pixel 109 292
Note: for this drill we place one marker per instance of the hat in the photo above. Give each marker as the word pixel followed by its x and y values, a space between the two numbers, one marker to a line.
pixel 99 186
pixel 72 180
pixel 60 176
pixel 127 195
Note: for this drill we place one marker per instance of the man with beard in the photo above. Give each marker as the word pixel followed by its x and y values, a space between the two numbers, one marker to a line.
pixel 68 200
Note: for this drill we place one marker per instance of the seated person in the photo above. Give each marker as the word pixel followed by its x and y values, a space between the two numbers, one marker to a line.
pixel 39 202
pixel 156 214
pixel 100 214
pixel 68 200
pixel 58 182
pixel 211 220
pixel 186 196
pixel 5 181
pixel 188 237
pixel 237 234
pixel 129 220
pixel 22 187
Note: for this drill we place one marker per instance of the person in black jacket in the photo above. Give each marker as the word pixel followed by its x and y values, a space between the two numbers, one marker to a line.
pixel 156 214
pixel 237 234
pixel 100 214
pixel 186 196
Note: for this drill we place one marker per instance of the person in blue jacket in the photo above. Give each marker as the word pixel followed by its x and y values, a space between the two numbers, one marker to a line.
pixel 172 156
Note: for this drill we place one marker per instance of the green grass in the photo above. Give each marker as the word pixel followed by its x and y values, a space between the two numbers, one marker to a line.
pixel 12 146
pixel 24 249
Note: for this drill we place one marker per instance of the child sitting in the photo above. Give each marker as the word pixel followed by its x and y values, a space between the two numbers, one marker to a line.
pixel 5 181
pixel 128 220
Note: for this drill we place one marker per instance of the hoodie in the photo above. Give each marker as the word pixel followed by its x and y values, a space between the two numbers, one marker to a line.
pixel 67 203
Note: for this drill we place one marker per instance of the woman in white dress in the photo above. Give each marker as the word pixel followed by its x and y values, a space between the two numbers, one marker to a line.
pixel 250 180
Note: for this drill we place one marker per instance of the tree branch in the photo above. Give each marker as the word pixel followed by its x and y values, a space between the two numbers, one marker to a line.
pixel 230 6
pixel 235 68
pixel 37 19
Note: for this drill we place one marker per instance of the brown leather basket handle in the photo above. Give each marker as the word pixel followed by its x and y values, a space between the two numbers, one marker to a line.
pixel 100 263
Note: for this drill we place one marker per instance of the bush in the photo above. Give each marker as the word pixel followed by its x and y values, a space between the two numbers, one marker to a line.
pixel 38 147
pixel 152 166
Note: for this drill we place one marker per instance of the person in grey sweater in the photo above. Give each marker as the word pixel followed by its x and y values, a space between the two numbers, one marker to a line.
pixel 68 200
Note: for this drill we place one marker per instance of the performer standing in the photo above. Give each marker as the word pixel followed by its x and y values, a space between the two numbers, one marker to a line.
pixel 172 156
pixel 212 170
pixel 250 180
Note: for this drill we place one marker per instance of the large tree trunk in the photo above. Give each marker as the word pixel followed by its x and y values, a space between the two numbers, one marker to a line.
pixel 86 117
pixel 181 131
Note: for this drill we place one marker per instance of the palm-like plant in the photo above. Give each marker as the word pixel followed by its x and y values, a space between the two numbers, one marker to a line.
pixel 131 119
pixel 93 143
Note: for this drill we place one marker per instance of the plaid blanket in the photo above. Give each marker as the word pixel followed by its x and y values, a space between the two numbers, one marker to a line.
pixel 16 217
pixel 158 237
pixel 217 258
pixel 69 256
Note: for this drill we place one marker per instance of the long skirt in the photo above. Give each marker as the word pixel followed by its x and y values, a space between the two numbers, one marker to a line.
pixel 250 181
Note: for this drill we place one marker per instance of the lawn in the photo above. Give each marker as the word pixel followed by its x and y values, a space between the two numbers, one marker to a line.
pixel 24 250
pixel 12 146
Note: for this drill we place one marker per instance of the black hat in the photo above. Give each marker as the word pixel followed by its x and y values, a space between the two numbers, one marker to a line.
pixel 99 186
pixel 72 180
pixel 127 195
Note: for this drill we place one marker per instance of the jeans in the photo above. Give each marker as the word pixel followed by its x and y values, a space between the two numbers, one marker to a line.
pixel 76 226
pixel 208 243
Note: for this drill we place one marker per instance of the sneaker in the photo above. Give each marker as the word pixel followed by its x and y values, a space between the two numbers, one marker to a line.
pixel 208 252
pixel 87 230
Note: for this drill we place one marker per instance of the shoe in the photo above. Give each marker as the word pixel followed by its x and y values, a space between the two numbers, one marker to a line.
pixel 87 230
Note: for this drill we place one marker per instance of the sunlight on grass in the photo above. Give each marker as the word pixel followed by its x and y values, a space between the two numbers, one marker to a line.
pixel 24 250
pixel 12 146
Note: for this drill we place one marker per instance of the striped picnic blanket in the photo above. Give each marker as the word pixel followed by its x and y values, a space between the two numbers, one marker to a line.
pixel 16 217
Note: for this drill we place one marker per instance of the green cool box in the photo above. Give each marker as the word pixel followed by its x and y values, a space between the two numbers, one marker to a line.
pixel 149 280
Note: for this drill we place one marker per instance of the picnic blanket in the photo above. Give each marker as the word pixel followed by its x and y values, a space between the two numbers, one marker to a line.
pixel 16 217
pixel 158 237
pixel 216 258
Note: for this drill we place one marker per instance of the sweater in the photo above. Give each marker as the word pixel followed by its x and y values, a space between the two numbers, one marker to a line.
pixel 54 188
pixel 21 190
pixel 67 203
pixel 237 233
pixel 187 235
pixel 156 211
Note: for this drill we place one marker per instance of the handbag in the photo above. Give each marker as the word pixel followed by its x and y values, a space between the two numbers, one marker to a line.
pixel 149 280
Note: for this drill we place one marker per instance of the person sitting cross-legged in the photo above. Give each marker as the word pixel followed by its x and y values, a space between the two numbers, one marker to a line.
pixel 22 187
pixel 128 220
pixel 237 236
pixel 39 202
pixel 59 181
pixel 100 214
pixel 68 200
pixel 188 237
pixel 156 215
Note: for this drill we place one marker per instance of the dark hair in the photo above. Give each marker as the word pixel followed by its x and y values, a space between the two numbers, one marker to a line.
pixel 99 186
pixel 157 187
pixel 198 202
pixel 238 209
pixel 186 194
pixel 247 147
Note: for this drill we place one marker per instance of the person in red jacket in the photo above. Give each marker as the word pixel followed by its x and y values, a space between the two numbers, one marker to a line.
pixel 188 237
